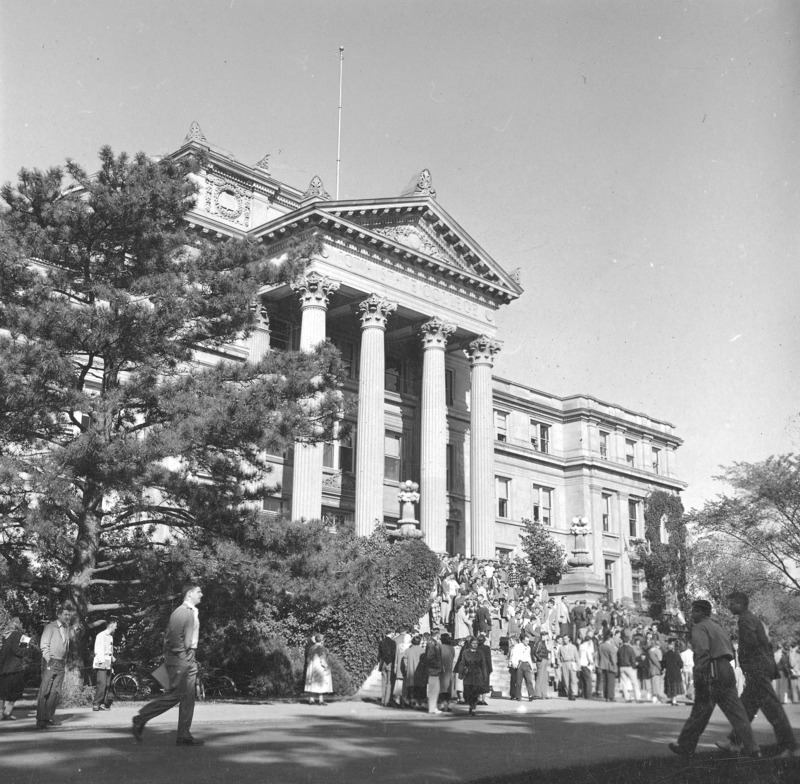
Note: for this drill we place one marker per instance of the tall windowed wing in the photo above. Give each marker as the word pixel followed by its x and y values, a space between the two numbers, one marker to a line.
pixel 542 511
pixel 609 574
pixel 540 436
pixel 449 387
pixel 502 492
pixel 606 506
pixel 500 425
pixel 630 452
pixel 392 452
pixel 604 445
pixel 633 518
pixel 656 460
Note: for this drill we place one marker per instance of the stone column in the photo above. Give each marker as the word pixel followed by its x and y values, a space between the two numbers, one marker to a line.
pixel 369 457
pixel 480 531
pixel 314 290
pixel 433 450
pixel 258 342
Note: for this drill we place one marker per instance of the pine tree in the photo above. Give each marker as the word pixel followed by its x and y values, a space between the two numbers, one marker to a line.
pixel 113 440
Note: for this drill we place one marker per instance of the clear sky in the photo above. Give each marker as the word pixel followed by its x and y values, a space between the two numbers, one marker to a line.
pixel 638 160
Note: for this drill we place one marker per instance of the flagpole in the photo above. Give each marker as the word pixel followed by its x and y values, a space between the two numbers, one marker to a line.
pixel 339 140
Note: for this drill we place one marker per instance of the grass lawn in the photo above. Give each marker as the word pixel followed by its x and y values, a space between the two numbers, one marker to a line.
pixel 706 768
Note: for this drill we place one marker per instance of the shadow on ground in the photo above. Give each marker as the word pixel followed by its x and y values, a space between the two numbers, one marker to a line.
pixel 366 745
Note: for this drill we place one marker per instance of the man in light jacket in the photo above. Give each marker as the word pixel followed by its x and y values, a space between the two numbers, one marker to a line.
pixel 54 646
pixel 103 661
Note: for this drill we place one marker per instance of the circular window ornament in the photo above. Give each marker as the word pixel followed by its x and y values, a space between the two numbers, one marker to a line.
pixel 229 203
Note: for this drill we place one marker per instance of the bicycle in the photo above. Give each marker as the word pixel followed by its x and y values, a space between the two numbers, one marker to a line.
pixel 214 683
pixel 135 684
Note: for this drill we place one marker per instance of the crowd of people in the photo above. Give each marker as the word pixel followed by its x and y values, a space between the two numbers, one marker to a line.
pixel 553 646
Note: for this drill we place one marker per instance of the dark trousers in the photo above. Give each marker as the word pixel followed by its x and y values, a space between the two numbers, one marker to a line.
pixel 585 683
pixel 758 694
pixel 513 673
pixel 609 684
pixel 524 673
pixel 182 671
pixel 49 690
pixel 387 683
pixel 708 694
pixel 101 691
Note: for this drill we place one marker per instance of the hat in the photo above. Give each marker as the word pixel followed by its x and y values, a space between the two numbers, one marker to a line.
pixel 551 600
pixel 703 606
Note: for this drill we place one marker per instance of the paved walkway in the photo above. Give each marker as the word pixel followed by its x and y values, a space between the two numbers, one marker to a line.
pixel 346 742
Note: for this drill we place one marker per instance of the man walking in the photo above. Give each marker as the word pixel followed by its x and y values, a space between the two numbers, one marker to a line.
pixel 180 645
pixel 758 666
pixel 714 683
pixel 54 645
pixel 103 661
pixel 626 660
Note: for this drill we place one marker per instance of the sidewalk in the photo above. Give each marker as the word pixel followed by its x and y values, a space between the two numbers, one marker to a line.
pixel 349 742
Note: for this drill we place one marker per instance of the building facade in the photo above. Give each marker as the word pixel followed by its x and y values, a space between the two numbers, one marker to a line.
pixel 409 298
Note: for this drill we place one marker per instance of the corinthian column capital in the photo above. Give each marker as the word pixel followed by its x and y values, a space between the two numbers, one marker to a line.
pixel 375 310
pixel 435 333
pixel 314 290
pixel 482 350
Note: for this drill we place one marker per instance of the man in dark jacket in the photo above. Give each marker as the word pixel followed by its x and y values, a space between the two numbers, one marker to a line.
pixel 180 644
pixel 758 665
pixel 486 652
pixel 435 667
pixel 483 619
pixel 387 651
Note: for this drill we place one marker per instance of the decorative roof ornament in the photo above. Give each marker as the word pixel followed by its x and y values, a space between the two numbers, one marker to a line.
pixel 195 134
pixel 421 185
pixel 263 164
pixel 316 190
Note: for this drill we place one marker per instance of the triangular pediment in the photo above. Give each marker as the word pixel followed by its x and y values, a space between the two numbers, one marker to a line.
pixel 424 227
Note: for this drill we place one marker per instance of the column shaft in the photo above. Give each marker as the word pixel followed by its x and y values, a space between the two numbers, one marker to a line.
pixel 307 476
pixel 371 429
pixel 433 449
pixel 482 492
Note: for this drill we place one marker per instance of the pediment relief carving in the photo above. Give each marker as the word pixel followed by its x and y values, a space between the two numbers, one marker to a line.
pixel 228 200
pixel 418 237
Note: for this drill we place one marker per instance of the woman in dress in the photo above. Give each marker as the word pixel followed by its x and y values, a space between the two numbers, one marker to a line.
pixel 472 669
pixel 12 667
pixel 318 673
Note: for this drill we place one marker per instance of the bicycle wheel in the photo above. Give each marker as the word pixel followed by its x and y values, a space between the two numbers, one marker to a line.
pixel 125 686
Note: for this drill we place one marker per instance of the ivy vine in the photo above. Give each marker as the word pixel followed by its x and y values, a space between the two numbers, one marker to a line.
pixel 665 563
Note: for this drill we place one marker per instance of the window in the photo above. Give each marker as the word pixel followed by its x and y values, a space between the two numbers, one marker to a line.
pixel 450 539
pixel 540 436
pixel 542 505
pixel 609 574
pixel 633 518
pixel 604 445
pixel 272 506
pixel 502 487
pixel 606 507
pixel 656 460
pixel 401 374
pixel 636 590
pixel 449 387
pixel 500 425
pixel 630 452
pixel 392 373
pixel 283 336
pixel 338 454
pixel 348 351
pixel 392 451
pixel 449 455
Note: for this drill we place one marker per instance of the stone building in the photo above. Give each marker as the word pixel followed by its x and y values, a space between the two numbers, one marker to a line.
pixel 409 298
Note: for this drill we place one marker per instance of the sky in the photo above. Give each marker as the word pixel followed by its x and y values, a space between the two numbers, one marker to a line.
pixel 638 161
